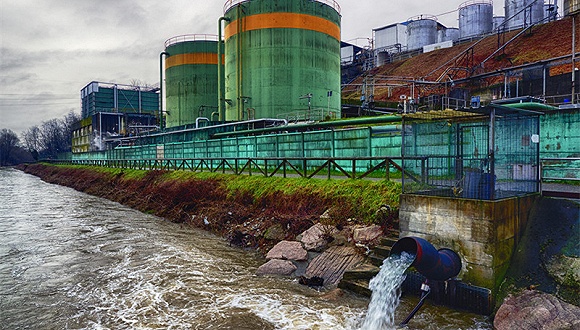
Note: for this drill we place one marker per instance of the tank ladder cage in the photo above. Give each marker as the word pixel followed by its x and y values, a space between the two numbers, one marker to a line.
pixel 331 3
pixel 190 37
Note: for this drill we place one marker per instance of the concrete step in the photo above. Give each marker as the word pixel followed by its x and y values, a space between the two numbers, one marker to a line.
pixel 376 260
pixel 382 251
pixel 365 271
pixel 389 241
pixel 357 286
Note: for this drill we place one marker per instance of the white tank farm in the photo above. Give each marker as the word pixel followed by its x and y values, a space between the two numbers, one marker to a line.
pixel 522 17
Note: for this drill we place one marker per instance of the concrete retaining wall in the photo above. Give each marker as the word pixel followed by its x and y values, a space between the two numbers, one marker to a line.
pixel 484 233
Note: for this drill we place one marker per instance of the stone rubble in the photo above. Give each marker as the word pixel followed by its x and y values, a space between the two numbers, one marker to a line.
pixel 320 251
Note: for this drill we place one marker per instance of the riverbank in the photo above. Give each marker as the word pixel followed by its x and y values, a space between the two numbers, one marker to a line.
pixel 249 211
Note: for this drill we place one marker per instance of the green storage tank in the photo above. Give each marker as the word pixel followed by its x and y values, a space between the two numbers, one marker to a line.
pixel 191 79
pixel 282 57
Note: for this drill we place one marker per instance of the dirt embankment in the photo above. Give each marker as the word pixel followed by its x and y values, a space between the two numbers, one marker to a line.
pixel 248 211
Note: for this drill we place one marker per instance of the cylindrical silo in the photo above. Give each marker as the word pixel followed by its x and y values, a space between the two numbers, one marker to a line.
pixel 475 18
pixel 571 7
pixel 191 78
pixel 448 34
pixel 520 13
pixel 550 12
pixel 282 57
pixel 497 21
pixel 421 32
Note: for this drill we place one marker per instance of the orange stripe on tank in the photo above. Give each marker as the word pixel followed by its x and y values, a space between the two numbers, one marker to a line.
pixel 191 58
pixel 283 21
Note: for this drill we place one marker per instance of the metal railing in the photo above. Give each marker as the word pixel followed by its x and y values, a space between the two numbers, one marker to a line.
pixel 560 169
pixel 190 37
pixel 351 168
pixel 331 3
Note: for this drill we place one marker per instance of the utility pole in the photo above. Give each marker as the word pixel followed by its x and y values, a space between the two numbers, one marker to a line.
pixel 309 97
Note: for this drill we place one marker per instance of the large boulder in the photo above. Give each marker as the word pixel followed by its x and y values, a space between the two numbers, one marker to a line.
pixel 536 310
pixel 288 250
pixel 316 237
pixel 277 267
pixel 367 234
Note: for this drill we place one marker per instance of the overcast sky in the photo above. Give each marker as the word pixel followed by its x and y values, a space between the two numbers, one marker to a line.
pixel 51 49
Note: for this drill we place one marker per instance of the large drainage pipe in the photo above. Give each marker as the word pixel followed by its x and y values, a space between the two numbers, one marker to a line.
pixel 438 265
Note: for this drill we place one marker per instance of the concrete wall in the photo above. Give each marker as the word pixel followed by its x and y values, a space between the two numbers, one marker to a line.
pixel 484 233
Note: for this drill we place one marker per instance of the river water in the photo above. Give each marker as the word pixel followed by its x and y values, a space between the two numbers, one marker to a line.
pixel 69 260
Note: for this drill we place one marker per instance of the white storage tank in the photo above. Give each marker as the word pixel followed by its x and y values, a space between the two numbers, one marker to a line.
pixel 571 7
pixel 497 21
pixel 475 18
pixel 550 11
pixel 522 17
pixel 421 32
pixel 447 34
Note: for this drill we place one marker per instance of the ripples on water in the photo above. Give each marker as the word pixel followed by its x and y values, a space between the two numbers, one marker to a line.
pixel 73 261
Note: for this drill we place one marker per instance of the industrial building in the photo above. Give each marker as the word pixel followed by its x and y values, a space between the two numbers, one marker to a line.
pixel 112 110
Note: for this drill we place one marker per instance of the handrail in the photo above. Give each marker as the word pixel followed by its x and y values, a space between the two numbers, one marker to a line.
pixel 544 166
pixel 331 3
pixel 190 37
pixel 305 167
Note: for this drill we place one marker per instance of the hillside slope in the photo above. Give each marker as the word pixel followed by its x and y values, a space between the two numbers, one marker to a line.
pixel 542 42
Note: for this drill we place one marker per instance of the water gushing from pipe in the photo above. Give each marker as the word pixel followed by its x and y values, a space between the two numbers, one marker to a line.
pixel 386 292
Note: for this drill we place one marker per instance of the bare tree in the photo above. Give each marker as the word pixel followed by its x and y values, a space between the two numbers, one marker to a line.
pixel 8 143
pixel 51 137
pixel 31 140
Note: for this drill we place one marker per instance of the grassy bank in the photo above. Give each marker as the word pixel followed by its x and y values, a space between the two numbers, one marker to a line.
pixel 245 209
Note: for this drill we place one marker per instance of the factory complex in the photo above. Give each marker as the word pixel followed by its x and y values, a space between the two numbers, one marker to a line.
pixel 467 118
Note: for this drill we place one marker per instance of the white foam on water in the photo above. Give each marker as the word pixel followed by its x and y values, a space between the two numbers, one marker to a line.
pixel 288 314
pixel 386 292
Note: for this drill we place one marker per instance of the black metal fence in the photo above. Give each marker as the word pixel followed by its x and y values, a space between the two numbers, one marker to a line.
pixel 305 167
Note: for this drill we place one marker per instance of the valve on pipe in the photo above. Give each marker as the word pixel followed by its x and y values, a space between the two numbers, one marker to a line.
pixel 438 265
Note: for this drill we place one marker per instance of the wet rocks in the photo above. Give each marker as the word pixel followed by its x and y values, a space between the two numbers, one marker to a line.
pixel 275 232
pixel 316 262
pixel 316 237
pixel 287 250
pixel 368 234
pixel 277 267
pixel 314 281
pixel 536 310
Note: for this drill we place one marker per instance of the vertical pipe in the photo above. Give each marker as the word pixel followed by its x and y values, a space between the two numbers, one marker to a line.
pixel 573 99
pixel 491 152
pixel 403 133
pixel 140 107
pixel 505 86
pixel 161 88
pixel 115 98
pixel 221 73
pixel 240 101
pixel 544 82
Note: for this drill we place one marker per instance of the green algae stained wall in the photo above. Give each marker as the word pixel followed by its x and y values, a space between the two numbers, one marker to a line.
pixel 560 134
